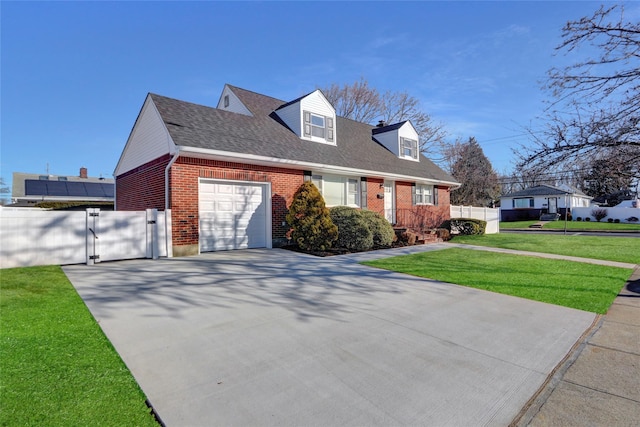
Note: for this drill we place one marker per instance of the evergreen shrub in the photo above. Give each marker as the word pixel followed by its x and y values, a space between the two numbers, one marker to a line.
pixel 312 228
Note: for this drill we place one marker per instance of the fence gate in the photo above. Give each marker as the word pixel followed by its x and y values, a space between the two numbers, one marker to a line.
pixel 37 237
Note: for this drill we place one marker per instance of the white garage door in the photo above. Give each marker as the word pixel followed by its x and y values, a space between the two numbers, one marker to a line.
pixel 232 215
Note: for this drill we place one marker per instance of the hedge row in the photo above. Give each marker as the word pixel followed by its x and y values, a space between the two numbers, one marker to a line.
pixel 465 226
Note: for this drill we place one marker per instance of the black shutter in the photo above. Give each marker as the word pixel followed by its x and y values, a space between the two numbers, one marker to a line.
pixel 363 193
pixel 435 195
pixel 413 194
pixel 307 123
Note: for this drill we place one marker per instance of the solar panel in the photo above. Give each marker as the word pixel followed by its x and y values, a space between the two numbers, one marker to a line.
pixel 33 187
pixel 76 189
pixel 56 188
pixel 68 188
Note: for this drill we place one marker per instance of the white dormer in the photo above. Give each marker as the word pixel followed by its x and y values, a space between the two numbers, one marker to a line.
pixel 400 138
pixel 230 102
pixel 311 117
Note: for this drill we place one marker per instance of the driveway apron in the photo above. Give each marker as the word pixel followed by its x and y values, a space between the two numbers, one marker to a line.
pixel 272 337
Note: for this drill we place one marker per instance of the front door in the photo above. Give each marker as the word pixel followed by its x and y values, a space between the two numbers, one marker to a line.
pixel 389 202
pixel 553 205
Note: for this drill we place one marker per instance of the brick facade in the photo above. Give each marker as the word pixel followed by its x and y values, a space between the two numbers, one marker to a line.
pixel 143 188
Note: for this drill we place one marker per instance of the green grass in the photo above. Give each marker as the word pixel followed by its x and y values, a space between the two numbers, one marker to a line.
pixel 621 249
pixel 57 367
pixel 573 225
pixel 571 284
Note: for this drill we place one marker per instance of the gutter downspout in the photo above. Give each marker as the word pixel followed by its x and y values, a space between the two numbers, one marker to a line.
pixel 166 199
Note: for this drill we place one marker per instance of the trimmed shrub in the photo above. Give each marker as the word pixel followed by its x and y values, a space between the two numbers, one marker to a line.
pixel 408 238
pixel 610 220
pixel 587 219
pixel 465 226
pixel 632 219
pixel 617 221
pixel 443 234
pixel 579 219
pixel 599 214
pixel 312 228
pixel 381 229
pixel 353 231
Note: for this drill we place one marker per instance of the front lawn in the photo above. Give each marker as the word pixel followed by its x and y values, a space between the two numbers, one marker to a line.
pixel 621 249
pixel 572 225
pixel 58 368
pixel 571 284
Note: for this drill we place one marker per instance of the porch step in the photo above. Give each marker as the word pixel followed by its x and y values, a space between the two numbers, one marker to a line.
pixel 538 224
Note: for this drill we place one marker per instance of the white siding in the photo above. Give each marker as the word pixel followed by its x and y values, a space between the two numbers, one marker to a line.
pixel 235 105
pixel 292 116
pixel 318 104
pixel 315 103
pixel 148 140
pixel 390 140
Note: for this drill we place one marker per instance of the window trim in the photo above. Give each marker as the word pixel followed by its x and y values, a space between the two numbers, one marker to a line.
pixel 419 192
pixel 530 199
pixel 413 148
pixel 308 127
pixel 318 180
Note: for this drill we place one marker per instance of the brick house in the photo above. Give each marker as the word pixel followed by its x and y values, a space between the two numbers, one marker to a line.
pixel 229 173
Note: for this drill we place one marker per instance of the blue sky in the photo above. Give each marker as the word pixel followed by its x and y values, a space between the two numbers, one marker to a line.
pixel 75 74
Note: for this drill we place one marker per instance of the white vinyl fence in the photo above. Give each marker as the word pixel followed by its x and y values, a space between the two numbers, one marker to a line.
pixel 621 214
pixel 31 237
pixel 492 216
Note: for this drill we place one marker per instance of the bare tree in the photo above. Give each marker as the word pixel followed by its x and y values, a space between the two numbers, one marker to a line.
pixel 595 107
pixel 358 101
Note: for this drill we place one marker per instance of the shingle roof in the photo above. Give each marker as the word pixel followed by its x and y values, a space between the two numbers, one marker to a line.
pixel 542 190
pixel 263 134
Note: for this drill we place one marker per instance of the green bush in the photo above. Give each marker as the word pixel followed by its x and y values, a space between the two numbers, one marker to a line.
pixel 465 226
pixel 579 219
pixel 617 221
pixel 609 219
pixel 312 228
pixel 381 229
pixel 353 231
pixel 587 219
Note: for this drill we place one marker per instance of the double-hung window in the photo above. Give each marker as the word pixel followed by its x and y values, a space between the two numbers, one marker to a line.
pixel 318 126
pixel 423 194
pixel 409 148
pixel 338 190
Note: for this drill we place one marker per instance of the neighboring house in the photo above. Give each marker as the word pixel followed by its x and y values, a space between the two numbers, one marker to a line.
pixel 28 189
pixel 229 173
pixel 542 199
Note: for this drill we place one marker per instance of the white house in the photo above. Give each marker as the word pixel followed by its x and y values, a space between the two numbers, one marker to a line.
pixel 541 199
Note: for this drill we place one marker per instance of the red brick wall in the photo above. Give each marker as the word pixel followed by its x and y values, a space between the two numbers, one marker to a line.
pixel 184 177
pixel 373 189
pixel 143 187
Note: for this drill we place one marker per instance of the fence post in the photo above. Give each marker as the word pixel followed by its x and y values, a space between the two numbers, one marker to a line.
pixel 91 233
pixel 152 234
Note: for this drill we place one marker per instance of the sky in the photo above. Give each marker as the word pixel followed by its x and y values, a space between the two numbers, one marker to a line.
pixel 74 75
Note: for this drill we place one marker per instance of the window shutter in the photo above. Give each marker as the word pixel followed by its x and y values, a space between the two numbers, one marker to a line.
pixel 307 123
pixel 329 121
pixel 435 195
pixel 363 193
pixel 413 194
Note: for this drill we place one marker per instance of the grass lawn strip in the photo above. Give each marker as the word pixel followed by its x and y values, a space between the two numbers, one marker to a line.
pixel 573 225
pixel 571 284
pixel 58 368
pixel 621 249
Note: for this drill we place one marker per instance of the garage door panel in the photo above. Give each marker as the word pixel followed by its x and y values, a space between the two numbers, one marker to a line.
pixel 232 216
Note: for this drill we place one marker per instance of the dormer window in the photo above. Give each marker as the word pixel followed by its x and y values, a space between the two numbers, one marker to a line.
pixel 409 148
pixel 318 126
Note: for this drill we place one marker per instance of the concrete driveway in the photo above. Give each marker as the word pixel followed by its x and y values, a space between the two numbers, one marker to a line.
pixel 272 337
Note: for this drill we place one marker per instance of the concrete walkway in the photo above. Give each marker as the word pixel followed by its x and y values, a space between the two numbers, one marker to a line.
pixel 599 382
pixel 271 337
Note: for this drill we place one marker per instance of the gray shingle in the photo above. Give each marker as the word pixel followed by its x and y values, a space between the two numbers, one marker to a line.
pixel 263 134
